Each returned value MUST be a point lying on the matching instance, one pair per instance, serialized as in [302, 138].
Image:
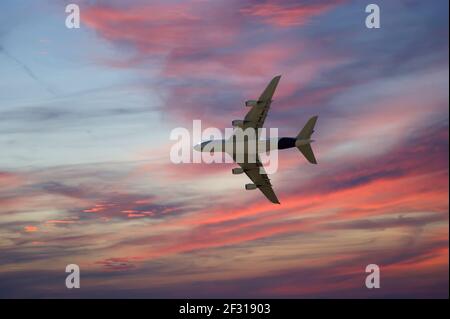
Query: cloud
[30, 229]
[117, 264]
[288, 15]
[10, 180]
[162, 27]
[400, 221]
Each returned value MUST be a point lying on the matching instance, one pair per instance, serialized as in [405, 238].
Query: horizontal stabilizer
[303, 141]
[308, 153]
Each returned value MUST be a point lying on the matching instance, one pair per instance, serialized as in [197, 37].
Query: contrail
[27, 70]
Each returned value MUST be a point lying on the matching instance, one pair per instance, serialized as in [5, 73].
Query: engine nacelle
[237, 170]
[237, 123]
[251, 103]
[250, 186]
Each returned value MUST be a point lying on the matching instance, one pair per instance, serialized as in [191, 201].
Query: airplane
[254, 120]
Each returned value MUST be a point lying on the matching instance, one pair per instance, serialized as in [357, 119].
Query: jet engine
[237, 170]
[237, 123]
[250, 186]
[251, 103]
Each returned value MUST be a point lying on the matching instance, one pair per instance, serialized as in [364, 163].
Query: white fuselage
[247, 146]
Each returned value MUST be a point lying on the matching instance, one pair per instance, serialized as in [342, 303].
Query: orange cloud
[96, 209]
[30, 229]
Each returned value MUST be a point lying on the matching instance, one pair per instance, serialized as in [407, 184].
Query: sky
[86, 178]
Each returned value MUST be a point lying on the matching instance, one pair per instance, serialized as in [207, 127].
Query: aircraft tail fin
[304, 141]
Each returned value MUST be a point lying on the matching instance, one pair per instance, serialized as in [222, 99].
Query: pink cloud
[118, 263]
[281, 15]
[10, 180]
[160, 27]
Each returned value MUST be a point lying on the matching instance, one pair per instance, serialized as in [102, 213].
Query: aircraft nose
[198, 147]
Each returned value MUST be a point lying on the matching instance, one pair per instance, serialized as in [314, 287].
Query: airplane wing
[256, 172]
[258, 113]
